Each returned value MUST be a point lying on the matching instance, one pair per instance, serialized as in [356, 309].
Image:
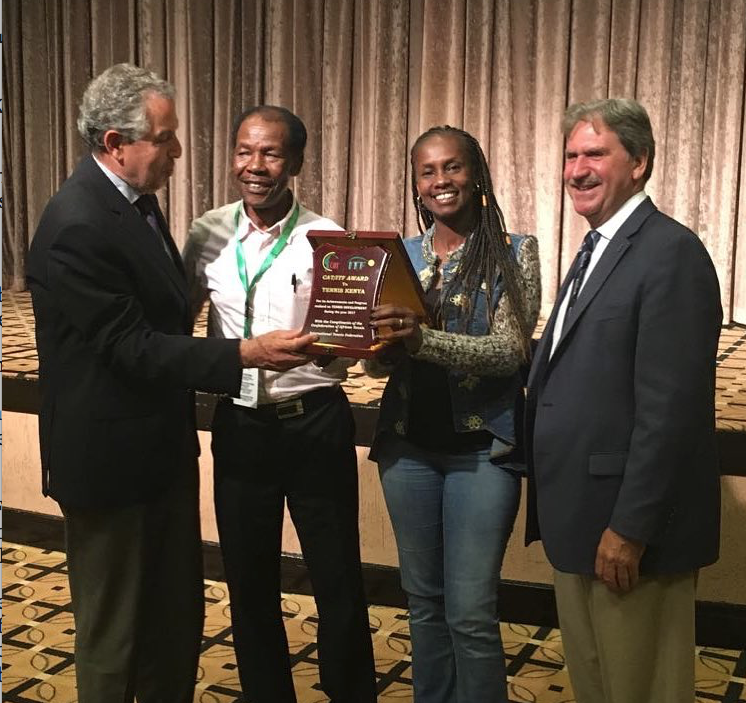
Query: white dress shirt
[122, 186]
[281, 296]
[607, 231]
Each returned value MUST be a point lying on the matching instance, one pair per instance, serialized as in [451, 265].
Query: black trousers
[261, 460]
[138, 597]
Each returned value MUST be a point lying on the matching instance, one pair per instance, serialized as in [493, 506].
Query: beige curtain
[368, 76]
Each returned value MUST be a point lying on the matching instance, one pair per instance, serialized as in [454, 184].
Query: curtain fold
[368, 77]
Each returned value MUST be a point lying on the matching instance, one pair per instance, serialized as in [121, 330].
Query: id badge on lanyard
[249, 394]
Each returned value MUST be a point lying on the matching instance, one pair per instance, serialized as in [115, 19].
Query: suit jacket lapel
[168, 239]
[148, 242]
[609, 259]
[614, 252]
[142, 234]
[541, 355]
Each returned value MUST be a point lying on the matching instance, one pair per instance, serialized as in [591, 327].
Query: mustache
[586, 181]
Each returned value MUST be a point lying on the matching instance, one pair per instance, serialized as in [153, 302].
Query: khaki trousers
[636, 647]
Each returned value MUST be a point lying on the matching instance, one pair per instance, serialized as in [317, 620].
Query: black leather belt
[296, 407]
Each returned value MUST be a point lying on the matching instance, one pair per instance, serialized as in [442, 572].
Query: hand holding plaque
[353, 273]
[395, 323]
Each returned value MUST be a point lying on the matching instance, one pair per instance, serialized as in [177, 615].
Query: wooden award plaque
[354, 272]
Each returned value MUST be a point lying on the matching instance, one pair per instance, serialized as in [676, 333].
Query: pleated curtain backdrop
[368, 76]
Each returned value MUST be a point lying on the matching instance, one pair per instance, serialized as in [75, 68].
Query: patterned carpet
[38, 635]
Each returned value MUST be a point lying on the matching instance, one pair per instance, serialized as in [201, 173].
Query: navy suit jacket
[620, 420]
[117, 361]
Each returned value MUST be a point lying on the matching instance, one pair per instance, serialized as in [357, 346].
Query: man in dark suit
[117, 429]
[623, 475]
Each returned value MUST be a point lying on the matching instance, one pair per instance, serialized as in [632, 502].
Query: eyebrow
[593, 151]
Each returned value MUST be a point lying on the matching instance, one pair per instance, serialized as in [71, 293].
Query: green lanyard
[282, 240]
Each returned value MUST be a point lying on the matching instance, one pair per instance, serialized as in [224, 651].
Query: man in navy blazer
[623, 474]
[117, 365]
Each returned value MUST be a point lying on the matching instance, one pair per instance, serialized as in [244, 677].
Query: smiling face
[262, 166]
[147, 163]
[600, 175]
[443, 174]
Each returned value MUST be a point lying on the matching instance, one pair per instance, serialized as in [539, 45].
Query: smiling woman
[446, 441]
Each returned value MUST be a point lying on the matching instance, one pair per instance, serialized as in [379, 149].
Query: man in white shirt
[287, 435]
[623, 475]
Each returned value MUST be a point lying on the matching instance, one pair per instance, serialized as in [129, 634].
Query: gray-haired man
[117, 429]
[623, 472]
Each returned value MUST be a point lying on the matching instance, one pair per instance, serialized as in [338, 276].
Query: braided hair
[487, 252]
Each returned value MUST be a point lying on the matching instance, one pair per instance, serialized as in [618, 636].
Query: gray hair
[116, 100]
[623, 116]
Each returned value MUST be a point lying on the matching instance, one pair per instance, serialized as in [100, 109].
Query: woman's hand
[402, 323]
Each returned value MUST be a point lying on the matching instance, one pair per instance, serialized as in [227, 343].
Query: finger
[403, 323]
[623, 580]
[296, 342]
[598, 567]
[381, 311]
[609, 576]
[390, 311]
[300, 359]
[282, 334]
[392, 322]
[393, 335]
[390, 319]
[290, 361]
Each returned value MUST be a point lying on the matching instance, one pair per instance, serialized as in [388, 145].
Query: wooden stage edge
[718, 624]
[22, 395]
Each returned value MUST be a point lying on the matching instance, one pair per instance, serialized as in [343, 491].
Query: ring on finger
[401, 323]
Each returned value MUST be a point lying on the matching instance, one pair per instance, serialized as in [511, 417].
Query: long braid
[487, 251]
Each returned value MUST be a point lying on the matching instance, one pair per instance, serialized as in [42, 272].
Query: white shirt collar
[121, 185]
[247, 225]
[609, 228]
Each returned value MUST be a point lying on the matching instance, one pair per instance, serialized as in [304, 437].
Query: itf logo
[356, 263]
[330, 262]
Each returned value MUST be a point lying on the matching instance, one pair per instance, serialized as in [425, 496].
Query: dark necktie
[581, 266]
[146, 206]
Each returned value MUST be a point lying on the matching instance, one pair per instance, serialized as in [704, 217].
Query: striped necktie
[581, 266]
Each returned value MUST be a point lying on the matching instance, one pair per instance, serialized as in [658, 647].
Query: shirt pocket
[288, 298]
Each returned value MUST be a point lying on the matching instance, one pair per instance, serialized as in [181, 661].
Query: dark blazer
[621, 419]
[116, 356]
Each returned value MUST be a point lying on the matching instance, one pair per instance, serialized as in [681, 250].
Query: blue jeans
[452, 516]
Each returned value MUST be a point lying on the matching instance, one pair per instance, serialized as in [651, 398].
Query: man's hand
[276, 351]
[618, 561]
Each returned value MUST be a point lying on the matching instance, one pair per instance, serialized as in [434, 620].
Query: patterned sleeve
[499, 353]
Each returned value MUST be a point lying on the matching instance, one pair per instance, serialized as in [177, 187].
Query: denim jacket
[478, 402]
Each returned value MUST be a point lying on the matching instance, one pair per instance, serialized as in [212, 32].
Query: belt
[296, 407]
